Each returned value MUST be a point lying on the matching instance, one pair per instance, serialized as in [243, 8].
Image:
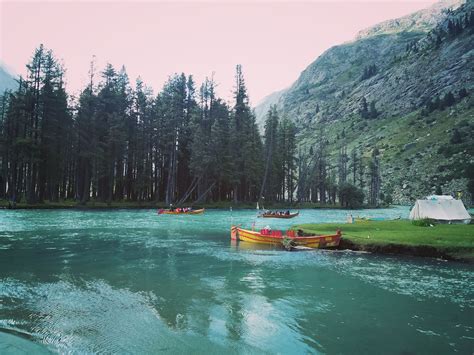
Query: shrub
[350, 196]
[426, 222]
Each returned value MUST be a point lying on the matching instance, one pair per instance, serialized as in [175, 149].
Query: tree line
[119, 142]
[349, 179]
[440, 103]
[457, 22]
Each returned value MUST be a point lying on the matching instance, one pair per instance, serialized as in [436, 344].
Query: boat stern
[233, 233]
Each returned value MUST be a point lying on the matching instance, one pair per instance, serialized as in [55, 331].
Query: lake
[130, 281]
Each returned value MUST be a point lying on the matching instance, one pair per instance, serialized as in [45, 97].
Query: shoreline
[453, 242]
[157, 205]
[422, 251]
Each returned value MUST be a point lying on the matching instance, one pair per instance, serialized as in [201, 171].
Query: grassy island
[448, 241]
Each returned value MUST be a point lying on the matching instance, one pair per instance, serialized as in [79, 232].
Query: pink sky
[273, 40]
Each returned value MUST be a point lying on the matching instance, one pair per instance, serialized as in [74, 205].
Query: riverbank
[71, 204]
[445, 241]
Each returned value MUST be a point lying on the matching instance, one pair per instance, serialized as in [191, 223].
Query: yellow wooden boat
[279, 239]
[200, 211]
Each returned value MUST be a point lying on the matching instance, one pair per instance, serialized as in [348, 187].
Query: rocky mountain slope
[398, 68]
[7, 81]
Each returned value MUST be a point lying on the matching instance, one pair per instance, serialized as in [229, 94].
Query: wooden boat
[269, 215]
[361, 220]
[290, 238]
[374, 219]
[200, 211]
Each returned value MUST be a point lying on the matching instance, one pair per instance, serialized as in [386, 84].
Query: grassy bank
[455, 241]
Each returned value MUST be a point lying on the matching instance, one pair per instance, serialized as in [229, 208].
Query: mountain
[7, 80]
[264, 105]
[400, 70]
[420, 21]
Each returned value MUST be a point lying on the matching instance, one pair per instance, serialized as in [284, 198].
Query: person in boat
[287, 212]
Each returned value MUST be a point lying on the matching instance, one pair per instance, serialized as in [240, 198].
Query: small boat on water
[271, 214]
[181, 211]
[290, 239]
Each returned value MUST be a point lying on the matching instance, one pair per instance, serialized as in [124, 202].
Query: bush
[456, 137]
[426, 222]
[350, 196]
[387, 199]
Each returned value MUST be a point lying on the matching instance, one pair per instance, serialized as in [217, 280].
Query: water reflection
[81, 282]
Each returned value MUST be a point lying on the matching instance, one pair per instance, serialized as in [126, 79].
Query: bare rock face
[403, 80]
[398, 66]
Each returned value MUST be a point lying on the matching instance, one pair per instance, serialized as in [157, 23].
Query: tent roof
[444, 209]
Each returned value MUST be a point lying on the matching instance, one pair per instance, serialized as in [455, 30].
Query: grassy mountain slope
[412, 66]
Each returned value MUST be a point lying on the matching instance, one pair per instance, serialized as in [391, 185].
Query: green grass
[456, 240]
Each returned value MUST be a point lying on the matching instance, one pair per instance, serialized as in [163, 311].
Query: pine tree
[363, 109]
[369, 71]
[288, 160]
[462, 93]
[448, 99]
[220, 149]
[245, 138]
[270, 186]
[342, 165]
[202, 148]
[375, 181]
[372, 113]
[456, 137]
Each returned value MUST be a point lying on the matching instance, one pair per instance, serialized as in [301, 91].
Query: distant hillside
[262, 108]
[398, 67]
[7, 81]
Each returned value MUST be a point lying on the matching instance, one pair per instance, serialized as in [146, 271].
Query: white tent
[440, 208]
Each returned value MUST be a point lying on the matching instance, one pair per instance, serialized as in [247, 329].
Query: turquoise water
[130, 281]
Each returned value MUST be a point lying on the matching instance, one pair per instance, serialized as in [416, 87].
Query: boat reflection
[242, 245]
